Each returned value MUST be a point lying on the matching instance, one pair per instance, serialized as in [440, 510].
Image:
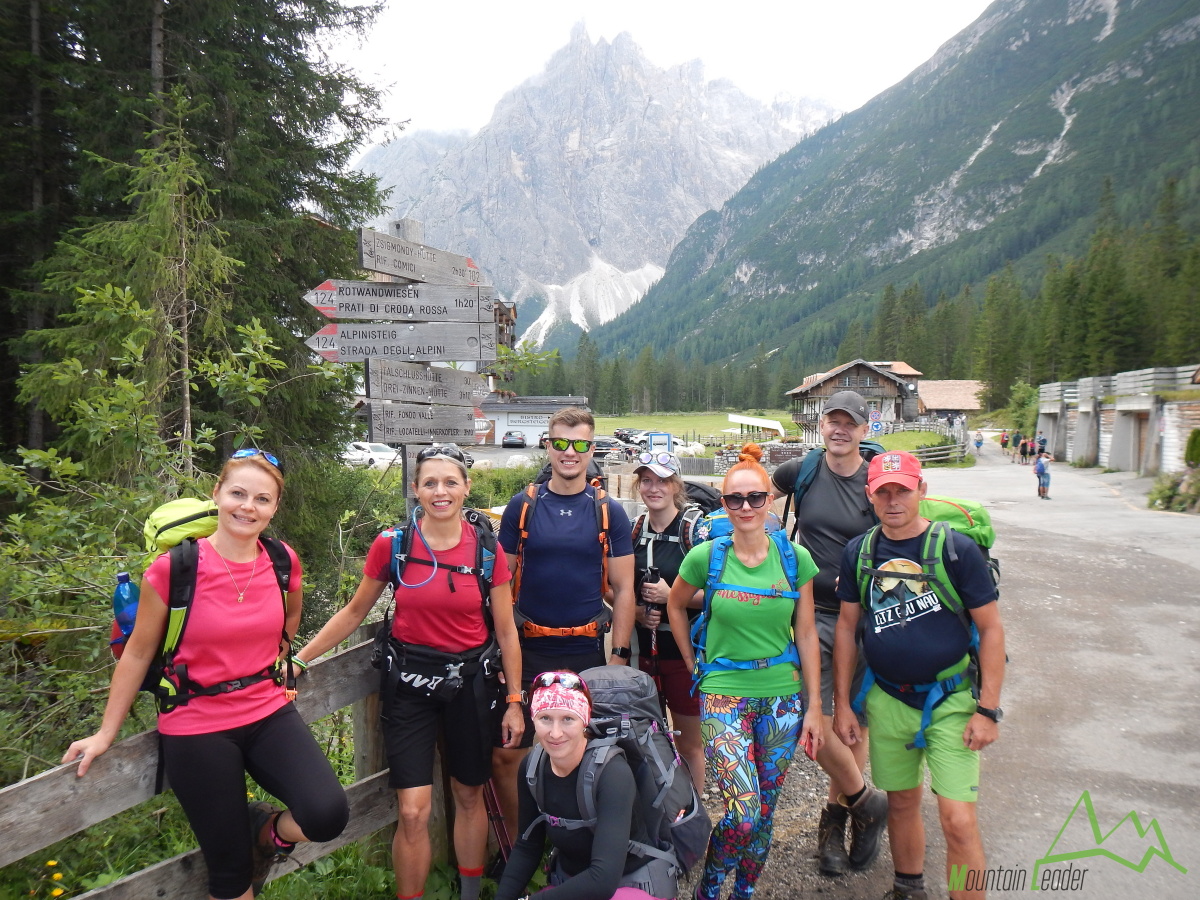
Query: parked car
[364, 453]
[514, 439]
[628, 435]
[613, 448]
[467, 457]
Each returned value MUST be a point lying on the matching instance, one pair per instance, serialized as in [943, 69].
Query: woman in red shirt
[237, 625]
[440, 621]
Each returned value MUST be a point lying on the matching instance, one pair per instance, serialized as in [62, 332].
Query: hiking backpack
[703, 496]
[627, 720]
[718, 556]
[598, 626]
[945, 514]
[807, 474]
[422, 669]
[174, 528]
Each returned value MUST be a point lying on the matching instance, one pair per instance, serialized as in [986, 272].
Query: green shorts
[954, 770]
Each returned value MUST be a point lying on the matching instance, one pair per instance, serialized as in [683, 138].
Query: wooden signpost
[418, 423]
[397, 329]
[415, 383]
[416, 342]
[381, 252]
[404, 302]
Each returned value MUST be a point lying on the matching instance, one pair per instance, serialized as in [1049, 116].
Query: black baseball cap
[849, 402]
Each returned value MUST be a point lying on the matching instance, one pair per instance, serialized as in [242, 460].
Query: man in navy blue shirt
[562, 613]
[913, 641]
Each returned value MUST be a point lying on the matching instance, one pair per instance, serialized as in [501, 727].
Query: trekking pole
[496, 819]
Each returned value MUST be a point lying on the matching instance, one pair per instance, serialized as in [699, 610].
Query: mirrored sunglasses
[662, 458]
[430, 452]
[579, 444]
[569, 680]
[254, 451]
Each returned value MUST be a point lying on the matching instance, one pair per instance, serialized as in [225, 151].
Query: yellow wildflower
[52, 862]
[57, 892]
[57, 876]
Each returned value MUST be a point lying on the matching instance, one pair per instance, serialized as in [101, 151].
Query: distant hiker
[568, 544]
[1004, 442]
[1041, 468]
[832, 508]
[442, 656]
[661, 539]
[1025, 444]
[978, 441]
[1016, 444]
[752, 644]
[243, 718]
[1041, 442]
[924, 621]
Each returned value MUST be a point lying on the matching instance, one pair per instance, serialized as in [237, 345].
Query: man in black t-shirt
[830, 512]
[917, 644]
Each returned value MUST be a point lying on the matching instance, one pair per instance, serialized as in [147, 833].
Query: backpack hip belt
[934, 691]
[599, 625]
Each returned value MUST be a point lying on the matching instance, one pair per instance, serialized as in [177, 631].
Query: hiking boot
[832, 858]
[868, 819]
[265, 851]
[903, 893]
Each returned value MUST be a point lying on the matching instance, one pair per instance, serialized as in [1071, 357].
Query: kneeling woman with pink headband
[591, 863]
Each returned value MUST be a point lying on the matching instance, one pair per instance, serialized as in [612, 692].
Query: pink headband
[558, 697]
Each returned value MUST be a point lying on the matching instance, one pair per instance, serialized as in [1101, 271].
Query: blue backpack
[718, 555]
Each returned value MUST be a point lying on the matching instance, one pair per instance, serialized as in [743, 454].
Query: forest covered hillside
[989, 157]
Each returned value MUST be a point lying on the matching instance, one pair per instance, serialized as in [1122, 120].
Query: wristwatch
[516, 698]
[622, 652]
[994, 714]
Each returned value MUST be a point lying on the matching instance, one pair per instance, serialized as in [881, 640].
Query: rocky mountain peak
[573, 195]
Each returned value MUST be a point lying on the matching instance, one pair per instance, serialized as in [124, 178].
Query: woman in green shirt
[761, 636]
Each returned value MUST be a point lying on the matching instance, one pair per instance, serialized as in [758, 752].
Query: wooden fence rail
[43, 809]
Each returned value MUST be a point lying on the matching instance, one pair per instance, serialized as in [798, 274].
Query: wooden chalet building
[890, 388]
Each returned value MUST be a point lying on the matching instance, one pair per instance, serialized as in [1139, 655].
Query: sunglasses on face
[254, 451]
[579, 444]
[756, 499]
[431, 452]
[569, 680]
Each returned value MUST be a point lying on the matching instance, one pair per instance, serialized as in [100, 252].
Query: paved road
[1102, 613]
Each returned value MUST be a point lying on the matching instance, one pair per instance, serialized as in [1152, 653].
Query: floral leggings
[749, 743]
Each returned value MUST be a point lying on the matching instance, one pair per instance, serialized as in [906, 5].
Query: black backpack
[703, 495]
[627, 720]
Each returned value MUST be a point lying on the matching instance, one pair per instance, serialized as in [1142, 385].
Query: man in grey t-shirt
[832, 510]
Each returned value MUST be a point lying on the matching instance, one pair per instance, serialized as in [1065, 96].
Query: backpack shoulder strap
[602, 526]
[866, 561]
[281, 561]
[401, 547]
[691, 515]
[939, 541]
[529, 498]
[185, 558]
[636, 529]
[787, 555]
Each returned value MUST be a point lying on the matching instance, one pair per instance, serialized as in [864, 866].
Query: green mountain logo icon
[1150, 835]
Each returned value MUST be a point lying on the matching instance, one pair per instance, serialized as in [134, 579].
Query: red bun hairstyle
[748, 460]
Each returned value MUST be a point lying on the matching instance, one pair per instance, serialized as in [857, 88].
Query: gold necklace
[253, 572]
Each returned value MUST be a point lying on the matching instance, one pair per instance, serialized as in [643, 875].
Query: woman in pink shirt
[238, 629]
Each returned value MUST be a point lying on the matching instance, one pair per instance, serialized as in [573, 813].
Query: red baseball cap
[895, 467]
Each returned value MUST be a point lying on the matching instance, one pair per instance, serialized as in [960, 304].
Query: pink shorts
[675, 684]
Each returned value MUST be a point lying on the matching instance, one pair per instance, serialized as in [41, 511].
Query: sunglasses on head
[756, 499]
[569, 680]
[254, 451]
[431, 452]
[662, 458]
[579, 444]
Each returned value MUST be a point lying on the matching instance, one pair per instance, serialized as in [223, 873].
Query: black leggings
[208, 774]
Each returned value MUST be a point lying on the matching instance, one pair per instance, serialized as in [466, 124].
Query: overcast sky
[445, 65]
